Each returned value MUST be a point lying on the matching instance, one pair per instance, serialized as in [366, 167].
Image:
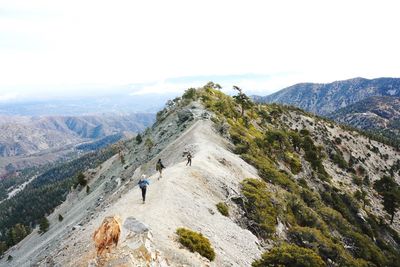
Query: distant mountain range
[323, 99]
[372, 105]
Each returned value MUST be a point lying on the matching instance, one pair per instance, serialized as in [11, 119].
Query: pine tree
[138, 139]
[242, 99]
[81, 179]
[43, 225]
[390, 191]
[60, 217]
[3, 247]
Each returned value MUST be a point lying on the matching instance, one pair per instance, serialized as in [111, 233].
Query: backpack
[142, 184]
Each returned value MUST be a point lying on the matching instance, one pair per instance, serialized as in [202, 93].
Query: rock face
[323, 99]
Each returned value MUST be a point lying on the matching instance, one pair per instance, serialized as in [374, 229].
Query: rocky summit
[269, 185]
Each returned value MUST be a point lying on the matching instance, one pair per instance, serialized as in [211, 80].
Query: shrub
[138, 139]
[60, 217]
[269, 173]
[223, 209]
[294, 162]
[81, 179]
[3, 248]
[304, 215]
[196, 242]
[189, 94]
[324, 245]
[357, 180]
[338, 159]
[149, 143]
[259, 207]
[310, 198]
[363, 247]
[289, 255]
[43, 225]
[312, 155]
[303, 183]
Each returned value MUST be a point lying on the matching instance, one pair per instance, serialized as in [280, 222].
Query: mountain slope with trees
[296, 190]
[376, 114]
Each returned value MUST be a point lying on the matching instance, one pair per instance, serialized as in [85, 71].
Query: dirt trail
[186, 197]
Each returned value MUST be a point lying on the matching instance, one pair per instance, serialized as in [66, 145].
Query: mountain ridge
[324, 98]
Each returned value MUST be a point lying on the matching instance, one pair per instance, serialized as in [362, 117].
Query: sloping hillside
[323, 99]
[24, 136]
[299, 188]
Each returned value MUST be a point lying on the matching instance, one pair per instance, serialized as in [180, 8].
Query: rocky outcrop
[107, 236]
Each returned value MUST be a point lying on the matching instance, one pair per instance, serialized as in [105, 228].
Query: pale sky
[75, 47]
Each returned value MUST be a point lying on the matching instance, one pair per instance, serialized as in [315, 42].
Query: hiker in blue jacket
[143, 183]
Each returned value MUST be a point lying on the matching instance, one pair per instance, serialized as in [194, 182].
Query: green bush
[259, 207]
[81, 179]
[304, 215]
[334, 219]
[9, 258]
[310, 198]
[43, 225]
[223, 209]
[357, 180]
[313, 155]
[325, 246]
[269, 173]
[363, 247]
[138, 139]
[290, 255]
[337, 158]
[189, 94]
[196, 242]
[294, 162]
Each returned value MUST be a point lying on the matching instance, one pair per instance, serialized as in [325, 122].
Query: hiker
[159, 167]
[143, 183]
[189, 159]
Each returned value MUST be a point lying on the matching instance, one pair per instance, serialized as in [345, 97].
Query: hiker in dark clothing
[143, 183]
[159, 167]
[189, 159]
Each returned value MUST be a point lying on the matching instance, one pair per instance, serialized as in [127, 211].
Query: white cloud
[7, 97]
[64, 43]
